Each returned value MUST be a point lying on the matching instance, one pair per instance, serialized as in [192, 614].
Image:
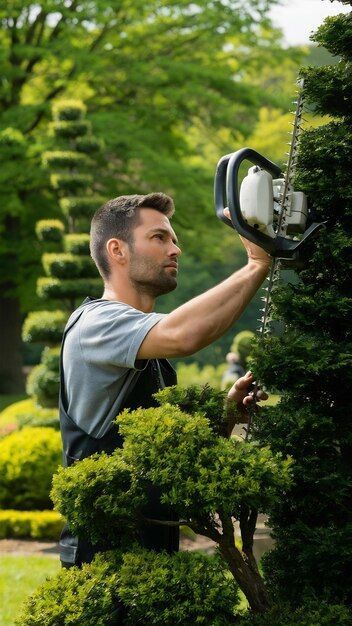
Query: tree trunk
[11, 360]
[249, 581]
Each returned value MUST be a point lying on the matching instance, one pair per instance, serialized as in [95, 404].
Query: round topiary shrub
[155, 589]
[44, 384]
[28, 460]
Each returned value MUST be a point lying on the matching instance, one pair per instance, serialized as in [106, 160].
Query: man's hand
[243, 398]
[254, 252]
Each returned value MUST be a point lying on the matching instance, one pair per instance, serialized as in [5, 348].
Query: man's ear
[117, 251]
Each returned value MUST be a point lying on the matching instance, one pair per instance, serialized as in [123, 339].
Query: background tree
[310, 364]
[70, 272]
[151, 72]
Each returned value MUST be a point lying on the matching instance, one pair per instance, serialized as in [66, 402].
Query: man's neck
[140, 301]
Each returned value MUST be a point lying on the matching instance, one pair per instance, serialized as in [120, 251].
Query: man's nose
[175, 250]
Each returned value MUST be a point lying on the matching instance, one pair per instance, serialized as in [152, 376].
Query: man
[115, 349]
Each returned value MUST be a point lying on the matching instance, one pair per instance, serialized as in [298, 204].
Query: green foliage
[56, 158]
[75, 597]
[329, 89]
[99, 498]
[310, 614]
[50, 230]
[81, 206]
[68, 266]
[76, 243]
[42, 525]
[196, 399]
[335, 35]
[70, 183]
[12, 138]
[89, 144]
[243, 345]
[44, 326]
[28, 413]
[155, 589]
[311, 521]
[78, 288]
[192, 374]
[181, 589]
[44, 384]
[69, 110]
[28, 459]
[198, 472]
[70, 129]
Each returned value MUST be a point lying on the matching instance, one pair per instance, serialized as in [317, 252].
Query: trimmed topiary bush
[28, 460]
[78, 288]
[76, 243]
[76, 597]
[44, 326]
[28, 413]
[43, 384]
[68, 266]
[30, 525]
[50, 230]
[76, 206]
[201, 472]
[70, 129]
[156, 589]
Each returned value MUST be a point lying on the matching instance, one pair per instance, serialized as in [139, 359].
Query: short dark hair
[117, 218]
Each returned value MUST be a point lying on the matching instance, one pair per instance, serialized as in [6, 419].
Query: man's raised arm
[202, 320]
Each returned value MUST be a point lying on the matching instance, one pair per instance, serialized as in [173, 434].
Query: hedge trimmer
[267, 211]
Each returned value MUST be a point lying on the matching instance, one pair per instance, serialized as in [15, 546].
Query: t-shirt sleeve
[112, 334]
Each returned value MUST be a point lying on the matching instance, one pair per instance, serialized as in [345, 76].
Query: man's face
[154, 254]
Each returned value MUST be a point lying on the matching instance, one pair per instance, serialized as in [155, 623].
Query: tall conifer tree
[310, 364]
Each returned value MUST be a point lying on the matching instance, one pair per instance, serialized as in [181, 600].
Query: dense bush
[50, 230]
[76, 243]
[30, 524]
[68, 266]
[70, 129]
[70, 182]
[78, 288]
[76, 206]
[310, 361]
[99, 498]
[28, 460]
[61, 158]
[181, 589]
[70, 110]
[311, 614]
[76, 597]
[156, 589]
[243, 345]
[44, 326]
[28, 413]
[193, 374]
[44, 385]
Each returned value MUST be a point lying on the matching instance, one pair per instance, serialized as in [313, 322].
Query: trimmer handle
[227, 195]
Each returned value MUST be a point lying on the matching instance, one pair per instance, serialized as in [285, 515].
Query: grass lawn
[19, 576]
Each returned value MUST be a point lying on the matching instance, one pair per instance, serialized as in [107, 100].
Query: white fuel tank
[256, 200]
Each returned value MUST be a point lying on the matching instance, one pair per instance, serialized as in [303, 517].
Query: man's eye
[159, 236]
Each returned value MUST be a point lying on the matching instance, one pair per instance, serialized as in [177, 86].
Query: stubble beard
[149, 278]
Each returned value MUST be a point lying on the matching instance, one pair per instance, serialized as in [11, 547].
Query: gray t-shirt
[99, 361]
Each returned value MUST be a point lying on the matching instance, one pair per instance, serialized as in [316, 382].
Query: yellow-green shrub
[27, 412]
[30, 524]
[28, 460]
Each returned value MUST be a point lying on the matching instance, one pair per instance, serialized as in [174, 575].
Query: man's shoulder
[100, 308]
